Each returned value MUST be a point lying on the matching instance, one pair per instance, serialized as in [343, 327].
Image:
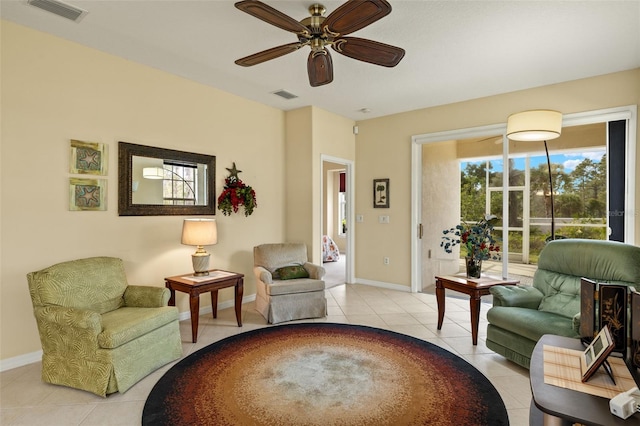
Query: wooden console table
[194, 286]
[474, 287]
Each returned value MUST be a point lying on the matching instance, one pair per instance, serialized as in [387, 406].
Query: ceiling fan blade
[369, 51]
[320, 68]
[356, 14]
[266, 55]
[271, 16]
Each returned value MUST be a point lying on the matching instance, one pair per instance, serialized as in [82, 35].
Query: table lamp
[200, 232]
[535, 126]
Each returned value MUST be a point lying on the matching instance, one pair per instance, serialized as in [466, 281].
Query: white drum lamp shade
[153, 173]
[535, 125]
[199, 233]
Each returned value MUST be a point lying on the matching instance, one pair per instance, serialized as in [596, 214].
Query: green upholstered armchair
[521, 315]
[98, 333]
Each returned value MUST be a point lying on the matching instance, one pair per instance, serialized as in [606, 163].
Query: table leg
[194, 302]
[214, 303]
[172, 297]
[550, 420]
[474, 304]
[239, 291]
[440, 299]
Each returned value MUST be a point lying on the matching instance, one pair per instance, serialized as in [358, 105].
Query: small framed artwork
[87, 194]
[613, 313]
[596, 353]
[88, 158]
[381, 193]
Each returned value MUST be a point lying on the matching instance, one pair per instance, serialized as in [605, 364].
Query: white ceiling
[455, 50]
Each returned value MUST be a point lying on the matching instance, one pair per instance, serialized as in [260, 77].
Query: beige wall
[54, 91]
[298, 166]
[311, 133]
[383, 149]
[440, 209]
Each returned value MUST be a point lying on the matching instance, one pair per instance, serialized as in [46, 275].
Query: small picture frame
[596, 353]
[87, 194]
[381, 193]
[88, 158]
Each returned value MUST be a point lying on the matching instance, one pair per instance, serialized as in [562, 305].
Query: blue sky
[568, 160]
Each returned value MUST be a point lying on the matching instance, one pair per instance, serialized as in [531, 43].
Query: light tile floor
[26, 400]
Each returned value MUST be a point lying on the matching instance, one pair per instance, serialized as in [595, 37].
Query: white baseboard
[382, 284]
[19, 361]
[30, 358]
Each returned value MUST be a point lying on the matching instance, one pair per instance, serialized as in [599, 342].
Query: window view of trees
[580, 197]
[179, 184]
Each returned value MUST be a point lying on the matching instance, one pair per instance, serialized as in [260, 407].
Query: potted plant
[477, 240]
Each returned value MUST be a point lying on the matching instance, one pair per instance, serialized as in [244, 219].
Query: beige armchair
[288, 286]
[98, 333]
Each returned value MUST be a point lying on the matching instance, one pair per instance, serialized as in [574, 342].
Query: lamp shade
[199, 232]
[535, 125]
[153, 173]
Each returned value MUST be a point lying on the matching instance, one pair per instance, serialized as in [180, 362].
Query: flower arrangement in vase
[477, 240]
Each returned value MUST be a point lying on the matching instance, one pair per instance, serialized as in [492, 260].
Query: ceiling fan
[319, 32]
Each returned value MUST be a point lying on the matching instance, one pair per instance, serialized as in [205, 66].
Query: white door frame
[350, 173]
[629, 113]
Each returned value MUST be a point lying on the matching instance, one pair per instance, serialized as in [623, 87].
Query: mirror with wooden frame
[157, 181]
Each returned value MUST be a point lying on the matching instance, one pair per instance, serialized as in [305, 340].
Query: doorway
[427, 261]
[337, 219]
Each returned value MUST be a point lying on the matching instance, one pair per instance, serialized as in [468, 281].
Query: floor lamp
[535, 126]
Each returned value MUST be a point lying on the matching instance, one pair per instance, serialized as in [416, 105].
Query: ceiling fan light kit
[319, 32]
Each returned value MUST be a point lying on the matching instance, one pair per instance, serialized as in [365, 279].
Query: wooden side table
[213, 282]
[474, 287]
[566, 407]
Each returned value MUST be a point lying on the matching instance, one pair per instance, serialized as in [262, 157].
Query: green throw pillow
[291, 272]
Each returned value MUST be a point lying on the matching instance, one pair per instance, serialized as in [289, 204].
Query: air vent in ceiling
[59, 8]
[285, 94]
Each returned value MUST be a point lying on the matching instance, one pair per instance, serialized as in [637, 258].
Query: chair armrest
[518, 296]
[262, 274]
[64, 330]
[315, 271]
[139, 296]
[70, 317]
[69, 332]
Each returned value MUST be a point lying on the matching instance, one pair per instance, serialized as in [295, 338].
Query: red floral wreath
[236, 194]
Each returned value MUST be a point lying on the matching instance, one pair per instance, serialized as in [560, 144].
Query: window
[580, 192]
[179, 184]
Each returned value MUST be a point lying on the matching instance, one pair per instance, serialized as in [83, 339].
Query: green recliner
[98, 333]
[521, 315]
